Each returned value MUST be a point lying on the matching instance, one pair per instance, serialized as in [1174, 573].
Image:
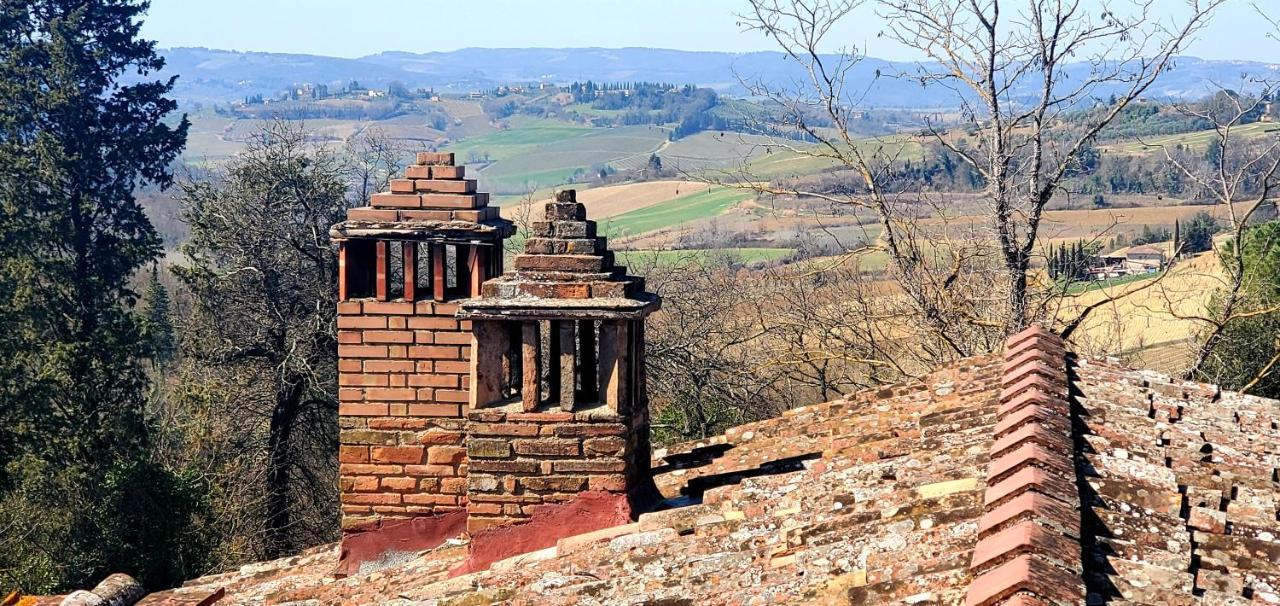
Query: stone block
[488, 448]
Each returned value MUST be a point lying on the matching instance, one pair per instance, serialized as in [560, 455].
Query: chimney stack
[403, 355]
[557, 404]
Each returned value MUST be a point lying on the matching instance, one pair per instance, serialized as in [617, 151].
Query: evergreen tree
[81, 126]
[1243, 356]
[159, 320]
[1199, 233]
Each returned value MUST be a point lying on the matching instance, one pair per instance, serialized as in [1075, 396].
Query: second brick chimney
[557, 404]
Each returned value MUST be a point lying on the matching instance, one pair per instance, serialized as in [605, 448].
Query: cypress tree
[82, 124]
[159, 320]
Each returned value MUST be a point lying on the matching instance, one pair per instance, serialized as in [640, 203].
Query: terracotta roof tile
[1026, 479]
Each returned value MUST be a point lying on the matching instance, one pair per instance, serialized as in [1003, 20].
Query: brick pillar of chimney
[558, 403]
[403, 356]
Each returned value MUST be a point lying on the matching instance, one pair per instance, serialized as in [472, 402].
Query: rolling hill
[219, 76]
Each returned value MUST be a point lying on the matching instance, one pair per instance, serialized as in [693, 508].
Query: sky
[343, 28]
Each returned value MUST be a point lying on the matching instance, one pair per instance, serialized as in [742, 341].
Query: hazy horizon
[332, 28]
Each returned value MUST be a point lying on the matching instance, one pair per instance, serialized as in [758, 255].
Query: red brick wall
[403, 384]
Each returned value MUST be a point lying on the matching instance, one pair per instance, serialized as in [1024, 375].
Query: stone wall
[521, 460]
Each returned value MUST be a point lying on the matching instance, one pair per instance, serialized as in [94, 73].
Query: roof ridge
[1028, 549]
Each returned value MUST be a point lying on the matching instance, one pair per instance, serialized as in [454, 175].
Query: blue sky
[350, 29]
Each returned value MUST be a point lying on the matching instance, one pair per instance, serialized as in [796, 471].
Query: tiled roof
[1027, 478]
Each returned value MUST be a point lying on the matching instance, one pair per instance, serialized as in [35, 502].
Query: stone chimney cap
[566, 270]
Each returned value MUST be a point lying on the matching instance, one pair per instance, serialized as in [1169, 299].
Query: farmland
[538, 156]
[675, 212]
[1194, 140]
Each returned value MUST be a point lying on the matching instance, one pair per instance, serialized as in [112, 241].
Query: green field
[644, 258]
[786, 163]
[675, 212]
[516, 141]
[547, 156]
[1197, 139]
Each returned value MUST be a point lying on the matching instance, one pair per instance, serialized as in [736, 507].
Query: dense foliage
[80, 494]
[1247, 354]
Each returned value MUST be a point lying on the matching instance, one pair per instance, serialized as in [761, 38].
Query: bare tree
[260, 271]
[1015, 70]
[372, 159]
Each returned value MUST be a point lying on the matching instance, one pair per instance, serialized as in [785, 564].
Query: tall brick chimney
[403, 355]
[558, 402]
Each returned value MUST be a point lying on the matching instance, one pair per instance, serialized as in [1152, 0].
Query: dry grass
[606, 202]
[1149, 315]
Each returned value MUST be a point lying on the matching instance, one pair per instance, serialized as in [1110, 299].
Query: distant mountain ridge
[219, 76]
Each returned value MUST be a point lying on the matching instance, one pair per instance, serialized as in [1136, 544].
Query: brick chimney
[558, 402]
[403, 355]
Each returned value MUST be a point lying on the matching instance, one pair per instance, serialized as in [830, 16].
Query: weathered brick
[445, 186]
[364, 483]
[487, 465]
[592, 466]
[368, 437]
[488, 448]
[603, 446]
[355, 469]
[456, 485]
[389, 200]
[448, 172]
[554, 483]
[353, 454]
[502, 429]
[446, 455]
[435, 471]
[399, 484]
[607, 483]
[378, 498]
[547, 446]
[430, 499]
[439, 438]
[590, 430]
[434, 158]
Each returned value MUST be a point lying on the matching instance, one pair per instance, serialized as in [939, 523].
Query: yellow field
[605, 202]
[1158, 314]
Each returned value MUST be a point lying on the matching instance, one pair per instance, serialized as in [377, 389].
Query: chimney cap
[565, 271]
